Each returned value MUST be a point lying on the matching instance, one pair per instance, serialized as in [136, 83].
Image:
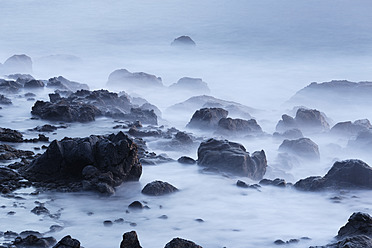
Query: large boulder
[130, 240]
[62, 83]
[98, 162]
[183, 40]
[192, 85]
[17, 64]
[34, 84]
[229, 126]
[232, 157]
[305, 120]
[156, 188]
[347, 174]
[207, 118]
[349, 128]
[181, 243]
[124, 79]
[303, 147]
[67, 242]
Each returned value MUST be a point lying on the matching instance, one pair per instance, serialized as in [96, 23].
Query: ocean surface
[257, 53]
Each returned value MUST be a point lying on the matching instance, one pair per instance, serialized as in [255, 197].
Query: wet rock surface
[232, 157]
[157, 188]
[229, 126]
[98, 162]
[347, 174]
[207, 118]
[11, 180]
[130, 240]
[183, 40]
[181, 243]
[10, 135]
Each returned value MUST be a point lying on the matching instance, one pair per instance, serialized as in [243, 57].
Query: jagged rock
[10, 135]
[4, 100]
[10, 87]
[32, 241]
[191, 85]
[181, 243]
[113, 160]
[232, 157]
[186, 160]
[207, 118]
[10, 180]
[67, 242]
[156, 188]
[8, 153]
[276, 182]
[17, 64]
[303, 148]
[183, 41]
[306, 119]
[229, 126]
[130, 240]
[34, 84]
[123, 78]
[138, 133]
[21, 78]
[62, 83]
[353, 173]
[349, 128]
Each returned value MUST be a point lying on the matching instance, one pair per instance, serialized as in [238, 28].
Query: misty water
[257, 53]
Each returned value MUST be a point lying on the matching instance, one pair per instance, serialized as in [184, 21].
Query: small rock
[157, 188]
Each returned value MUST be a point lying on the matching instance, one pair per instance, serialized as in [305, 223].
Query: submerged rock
[156, 188]
[130, 240]
[207, 118]
[303, 148]
[347, 174]
[232, 157]
[98, 162]
[181, 243]
[183, 41]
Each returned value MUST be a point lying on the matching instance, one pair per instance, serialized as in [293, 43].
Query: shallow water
[258, 53]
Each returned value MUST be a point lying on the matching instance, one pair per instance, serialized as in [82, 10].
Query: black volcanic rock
[32, 241]
[181, 243]
[232, 157]
[62, 83]
[10, 180]
[17, 64]
[186, 160]
[183, 41]
[191, 85]
[8, 152]
[67, 242]
[130, 240]
[124, 79]
[98, 162]
[303, 148]
[10, 135]
[229, 126]
[156, 188]
[306, 119]
[207, 118]
[347, 174]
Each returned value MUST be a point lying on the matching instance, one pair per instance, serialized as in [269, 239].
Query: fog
[256, 53]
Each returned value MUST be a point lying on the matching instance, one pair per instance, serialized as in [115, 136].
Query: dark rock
[38, 210]
[138, 114]
[17, 64]
[62, 83]
[108, 223]
[207, 118]
[123, 78]
[186, 160]
[114, 157]
[349, 128]
[20, 78]
[183, 138]
[10, 234]
[24, 234]
[192, 85]
[242, 184]
[306, 119]
[45, 128]
[358, 224]
[4, 100]
[183, 41]
[34, 84]
[278, 182]
[156, 188]
[9, 135]
[55, 228]
[229, 126]
[290, 134]
[232, 157]
[32, 241]
[67, 242]
[10, 180]
[138, 133]
[181, 243]
[8, 153]
[130, 240]
[279, 242]
[303, 148]
[346, 174]
[136, 205]
[9, 87]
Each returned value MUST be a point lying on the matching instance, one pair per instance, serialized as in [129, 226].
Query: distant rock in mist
[183, 41]
[191, 85]
[304, 148]
[348, 128]
[306, 120]
[232, 157]
[362, 142]
[62, 83]
[340, 94]
[207, 118]
[123, 79]
[197, 102]
[347, 174]
[17, 64]
[238, 127]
